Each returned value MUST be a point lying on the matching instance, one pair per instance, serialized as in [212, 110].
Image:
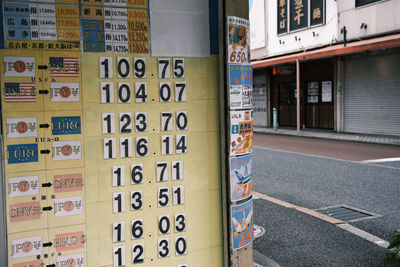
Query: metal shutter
[372, 94]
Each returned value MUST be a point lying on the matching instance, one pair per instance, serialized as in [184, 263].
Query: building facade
[344, 56]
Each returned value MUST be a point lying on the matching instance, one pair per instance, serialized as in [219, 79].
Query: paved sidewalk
[324, 134]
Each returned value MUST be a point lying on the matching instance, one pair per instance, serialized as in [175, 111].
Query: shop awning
[334, 50]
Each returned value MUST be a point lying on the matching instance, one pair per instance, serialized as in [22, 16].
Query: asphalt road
[316, 174]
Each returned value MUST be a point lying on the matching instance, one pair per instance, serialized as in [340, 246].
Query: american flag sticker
[20, 92]
[19, 66]
[64, 67]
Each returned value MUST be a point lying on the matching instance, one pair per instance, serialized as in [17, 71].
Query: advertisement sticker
[240, 177]
[240, 84]
[238, 40]
[242, 224]
[241, 132]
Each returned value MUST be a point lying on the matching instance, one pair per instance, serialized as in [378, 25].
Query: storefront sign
[282, 16]
[317, 12]
[298, 14]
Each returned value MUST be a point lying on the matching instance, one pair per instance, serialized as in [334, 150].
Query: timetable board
[111, 159]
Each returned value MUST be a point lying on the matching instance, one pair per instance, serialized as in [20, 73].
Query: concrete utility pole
[238, 8]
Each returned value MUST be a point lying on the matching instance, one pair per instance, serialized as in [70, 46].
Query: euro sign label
[66, 125]
[19, 66]
[66, 150]
[26, 247]
[23, 186]
[21, 127]
[22, 153]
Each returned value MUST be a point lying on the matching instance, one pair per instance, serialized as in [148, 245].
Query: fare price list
[133, 142]
[117, 26]
[43, 166]
[35, 25]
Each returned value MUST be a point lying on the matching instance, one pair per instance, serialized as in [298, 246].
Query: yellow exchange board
[111, 159]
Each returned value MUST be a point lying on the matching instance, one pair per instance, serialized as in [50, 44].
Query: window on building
[295, 15]
[365, 2]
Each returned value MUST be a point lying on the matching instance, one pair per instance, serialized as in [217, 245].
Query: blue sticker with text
[241, 74]
[235, 129]
[22, 153]
[242, 224]
[66, 125]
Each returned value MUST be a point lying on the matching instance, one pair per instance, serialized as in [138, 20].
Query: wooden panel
[319, 116]
[287, 115]
[312, 116]
[326, 116]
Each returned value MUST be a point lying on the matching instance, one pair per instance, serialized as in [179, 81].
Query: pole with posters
[239, 80]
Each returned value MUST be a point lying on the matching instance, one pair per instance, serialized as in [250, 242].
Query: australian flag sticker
[22, 153]
[66, 125]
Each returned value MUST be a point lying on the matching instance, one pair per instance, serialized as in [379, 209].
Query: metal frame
[3, 222]
[370, 215]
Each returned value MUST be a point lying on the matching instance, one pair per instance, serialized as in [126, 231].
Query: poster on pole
[240, 86]
[242, 224]
[238, 40]
[240, 177]
[241, 132]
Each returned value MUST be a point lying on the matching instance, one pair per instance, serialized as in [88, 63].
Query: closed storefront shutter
[372, 93]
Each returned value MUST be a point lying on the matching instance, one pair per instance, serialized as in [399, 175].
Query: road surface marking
[341, 224]
[302, 209]
[381, 160]
[367, 236]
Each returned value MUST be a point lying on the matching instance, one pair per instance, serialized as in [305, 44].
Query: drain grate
[347, 213]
